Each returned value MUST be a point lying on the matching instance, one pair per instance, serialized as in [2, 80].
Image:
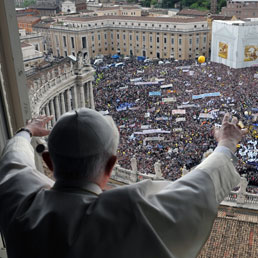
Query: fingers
[40, 119]
[44, 132]
[216, 132]
[244, 131]
[226, 118]
[234, 120]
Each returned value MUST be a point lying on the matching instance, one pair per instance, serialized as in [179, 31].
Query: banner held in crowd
[205, 95]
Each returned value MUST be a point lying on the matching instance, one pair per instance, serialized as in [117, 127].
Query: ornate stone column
[242, 191]
[63, 103]
[82, 96]
[57, 104]
[75, 100]
[157, 169]
[48, 114]
[87, 94]
[68, 98]
[42, 112]
[52, 111]
[92, 103]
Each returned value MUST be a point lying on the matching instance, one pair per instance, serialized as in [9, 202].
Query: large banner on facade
[251, 53]
[223, 50]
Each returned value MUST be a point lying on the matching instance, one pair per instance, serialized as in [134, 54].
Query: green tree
[221, 3]
[154, 2]
[28, 3]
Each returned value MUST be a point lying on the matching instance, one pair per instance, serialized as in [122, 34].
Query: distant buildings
[192, 13]
[241, 9]
[27, 22]
[152, 37]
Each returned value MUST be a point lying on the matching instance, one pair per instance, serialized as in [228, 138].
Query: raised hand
[37, 125]
[229, 134]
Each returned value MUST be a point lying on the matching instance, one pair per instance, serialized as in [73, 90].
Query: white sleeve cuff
[222, 172]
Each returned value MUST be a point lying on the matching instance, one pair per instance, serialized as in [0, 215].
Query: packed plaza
[166, 111]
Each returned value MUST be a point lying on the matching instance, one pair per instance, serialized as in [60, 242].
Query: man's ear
[47, 159]
[110, 164]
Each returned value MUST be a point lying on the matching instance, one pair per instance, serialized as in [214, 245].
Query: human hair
[89, 167]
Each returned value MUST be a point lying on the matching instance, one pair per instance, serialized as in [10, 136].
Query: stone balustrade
[235, 198]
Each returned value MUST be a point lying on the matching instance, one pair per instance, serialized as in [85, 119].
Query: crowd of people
[166, 112]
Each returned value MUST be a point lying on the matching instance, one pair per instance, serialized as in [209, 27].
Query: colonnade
[73, 98]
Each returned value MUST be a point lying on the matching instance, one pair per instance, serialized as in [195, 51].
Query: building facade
[235, 43]
[26, 22]
[241, 9]
[138, 36]
[31, 56]
[119, 11]
[68, 7]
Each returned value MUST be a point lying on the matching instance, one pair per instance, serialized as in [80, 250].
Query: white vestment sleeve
[19, 177]
[181, 213]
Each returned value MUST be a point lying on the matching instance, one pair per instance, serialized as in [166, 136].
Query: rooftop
[23, 45]
[118, 7]
[246, 22]
[193, 12]
[136, 18]
[233, 235]
[28, 19]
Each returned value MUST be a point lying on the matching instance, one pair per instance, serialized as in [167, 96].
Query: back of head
[81, 143]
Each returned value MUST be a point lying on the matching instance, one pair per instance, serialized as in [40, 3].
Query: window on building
[57, 41]
[72, 42]
[165, 40]
[204, 39]
[172, 41]
[111, 35]
[98, 37]
[92, 38]
[130, 37]
[150, 38]
[123, 36]
[117, 36]
[143, 38]
[190, 41]
[105, 36]
[157, 39]
[197, 41]
[179, 41]
[64, 41]
[83, 42]
[137, 38]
